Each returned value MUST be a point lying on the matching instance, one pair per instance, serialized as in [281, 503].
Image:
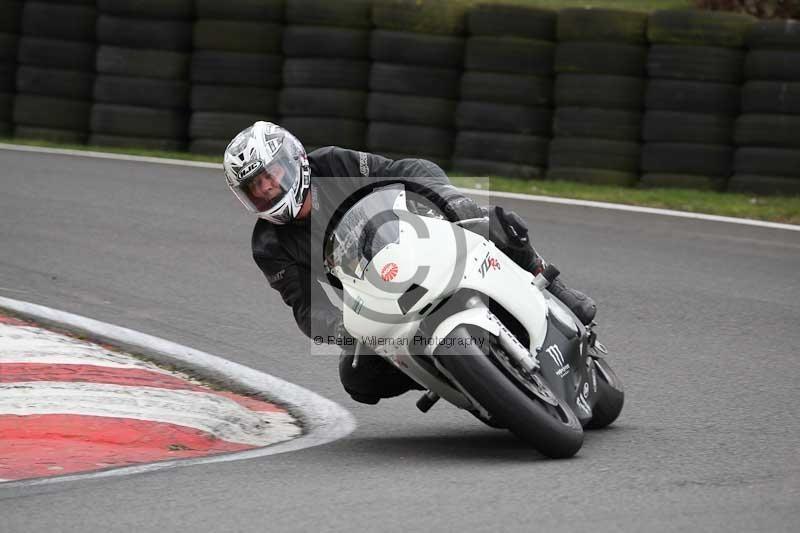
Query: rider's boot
[579, 303]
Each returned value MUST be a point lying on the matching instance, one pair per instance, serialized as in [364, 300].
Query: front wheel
[611, 396]
[554, 431]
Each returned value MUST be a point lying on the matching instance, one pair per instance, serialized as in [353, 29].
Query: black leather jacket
[284, 252]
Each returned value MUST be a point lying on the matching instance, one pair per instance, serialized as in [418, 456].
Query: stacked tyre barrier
[678, 98]
[598, 93]
[768, 130]
[9, 28]
[417, 51]
[695, 70]
[235, 69]
[326, 72]
[54, 88]
[507, 90]
[141, 93]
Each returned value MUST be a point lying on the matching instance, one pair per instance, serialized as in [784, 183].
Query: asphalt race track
[701, 319]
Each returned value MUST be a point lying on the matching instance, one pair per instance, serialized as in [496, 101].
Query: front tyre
[611, 396]
[554, 431]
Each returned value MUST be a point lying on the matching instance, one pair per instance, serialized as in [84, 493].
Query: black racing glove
[514, 226]
[509, 232]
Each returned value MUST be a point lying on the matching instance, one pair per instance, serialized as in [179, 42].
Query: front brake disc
[532, 382]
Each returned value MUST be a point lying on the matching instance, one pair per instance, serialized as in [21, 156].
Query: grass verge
[784, 209]
[769, 208]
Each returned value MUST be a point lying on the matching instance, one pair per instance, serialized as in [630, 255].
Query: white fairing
[450, 258]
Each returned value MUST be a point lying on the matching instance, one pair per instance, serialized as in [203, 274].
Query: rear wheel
[611, 396]
[508, 396]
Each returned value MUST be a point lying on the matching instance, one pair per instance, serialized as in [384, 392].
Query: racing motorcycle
[442, 304]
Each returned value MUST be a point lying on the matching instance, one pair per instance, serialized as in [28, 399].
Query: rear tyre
[611, 396]
[552, 430]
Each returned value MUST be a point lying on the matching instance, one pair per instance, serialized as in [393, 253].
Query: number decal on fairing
[489, 263]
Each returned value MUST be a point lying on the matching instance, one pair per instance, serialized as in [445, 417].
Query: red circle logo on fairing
[389, 271]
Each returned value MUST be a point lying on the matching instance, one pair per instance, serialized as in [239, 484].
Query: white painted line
[109, 155]
[323, 420]
[632, 208]
[476, 192]
[208, 412]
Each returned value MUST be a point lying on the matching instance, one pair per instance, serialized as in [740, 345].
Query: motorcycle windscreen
[364, 230]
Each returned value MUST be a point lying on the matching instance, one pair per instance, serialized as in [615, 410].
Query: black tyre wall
[409, 48]
[695, 65]
[137, 121]
[236, 69]
[509, 54]
[225, 68]
[234, 99]
[270, 10]
[160, 9]
[322, 102]
[411, 139]
[606, 25]
[151, 34]
[326, 72]
[8, 47]
[325, 41]
[148, 92]
[56, 70]
[486, 117]
[504, 117]
[57, 53]
[49, 112]
[518, 21]
[503, 88]
[323, 131]
[410, 109]
[142, 89]
[508, 147]
[10, 12]
[72, 84]
[767, 133]
[698, 28]
[58, 21]
[597, 123]
[345, 13]
[238, 36]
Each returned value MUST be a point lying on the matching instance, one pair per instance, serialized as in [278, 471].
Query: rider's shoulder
[325, 152]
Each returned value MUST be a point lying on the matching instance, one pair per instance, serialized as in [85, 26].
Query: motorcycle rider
[268, 170]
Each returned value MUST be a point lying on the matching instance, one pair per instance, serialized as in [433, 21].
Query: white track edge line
[632, 208]
[109, 155]
[476, 192]
[323, 420]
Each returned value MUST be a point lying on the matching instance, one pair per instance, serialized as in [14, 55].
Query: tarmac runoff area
[70, 407]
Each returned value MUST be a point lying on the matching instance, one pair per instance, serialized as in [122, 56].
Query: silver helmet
[267, 169]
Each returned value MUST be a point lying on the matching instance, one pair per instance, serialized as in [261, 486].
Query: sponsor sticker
[583, 404]
[558, 358]
[389, 271]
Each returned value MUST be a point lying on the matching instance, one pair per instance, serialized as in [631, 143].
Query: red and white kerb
[68, 405]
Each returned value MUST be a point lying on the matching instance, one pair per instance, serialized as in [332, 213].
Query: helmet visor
[266, 185]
